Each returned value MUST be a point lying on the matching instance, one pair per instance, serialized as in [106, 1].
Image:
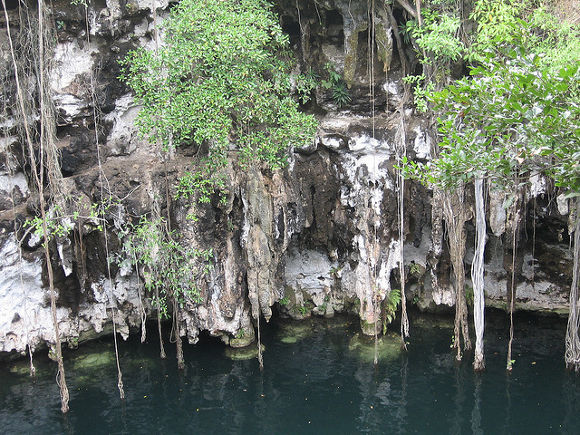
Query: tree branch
[408, 8]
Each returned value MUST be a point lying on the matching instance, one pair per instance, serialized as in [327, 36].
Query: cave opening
[334, 28]
[292, 28]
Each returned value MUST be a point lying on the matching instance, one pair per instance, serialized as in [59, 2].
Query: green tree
[513, 118]
[170, 270]
[220, 80]
[516, 115]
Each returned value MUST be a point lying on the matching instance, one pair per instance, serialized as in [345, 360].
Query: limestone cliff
[318, 237]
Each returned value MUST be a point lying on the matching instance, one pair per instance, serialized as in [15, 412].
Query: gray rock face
[318, 237]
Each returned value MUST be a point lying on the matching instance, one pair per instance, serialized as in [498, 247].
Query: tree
[220, 79]
[221, 82]
[513, 118]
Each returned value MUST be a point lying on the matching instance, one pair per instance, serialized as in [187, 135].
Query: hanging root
[477, 276]
[401, 152]
[376, 356]
[142, 311]
[572, 356]
[260, 358]
[177, 337]
[162, 353]
[46, 141]
[119, 373]
[516, 215]
[104, 198]
[455, 216]
[32, 368]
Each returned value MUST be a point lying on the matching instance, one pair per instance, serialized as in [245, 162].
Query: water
[317, 379]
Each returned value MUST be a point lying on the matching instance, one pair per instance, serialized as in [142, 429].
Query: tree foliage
[517, 113]
[511, 118]
[437, 36]
[221, 79]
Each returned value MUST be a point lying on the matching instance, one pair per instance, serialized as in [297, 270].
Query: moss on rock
[243, 353]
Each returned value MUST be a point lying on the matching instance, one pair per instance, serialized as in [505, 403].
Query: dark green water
[321, 383]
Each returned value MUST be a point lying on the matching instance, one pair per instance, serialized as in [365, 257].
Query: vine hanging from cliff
[572, 356]
[48, 158]
[104, 199]
[477, 275]
[170, 269]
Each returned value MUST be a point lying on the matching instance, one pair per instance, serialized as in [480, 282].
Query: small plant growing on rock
[391, 304]
[415, 269]
[337, 85]
[303, 309]
[305, 84]
[336, 272]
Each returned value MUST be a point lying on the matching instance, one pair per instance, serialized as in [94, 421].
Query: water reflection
[476, 412]
[572, 402]
[508, 401]
[401, 411]
[459, 400]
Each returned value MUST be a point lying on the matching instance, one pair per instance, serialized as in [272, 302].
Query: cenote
[319, 377]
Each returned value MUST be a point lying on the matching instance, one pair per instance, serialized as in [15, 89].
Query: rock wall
[318, 237]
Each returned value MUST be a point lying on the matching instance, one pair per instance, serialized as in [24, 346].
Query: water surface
[318, 378]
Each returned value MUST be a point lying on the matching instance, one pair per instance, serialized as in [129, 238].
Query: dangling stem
[454, 211]
[534, 243]
[376, 335]
[376, 252]
[102, 180]
[178, 343]
[162, 353]
[372, 61]
[509, 363]
[477, 277]
[119, 373]
[32, 368]
[64, 394]
[142, 311]
[401, 206]
[161, 347]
